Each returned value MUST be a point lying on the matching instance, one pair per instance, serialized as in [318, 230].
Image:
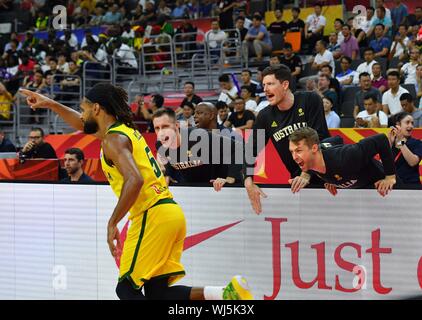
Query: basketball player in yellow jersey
[151, 254]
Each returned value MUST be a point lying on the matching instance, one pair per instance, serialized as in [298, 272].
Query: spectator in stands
[291, 60]
[349, 46]
[381, 3]
[378, 81]
[70, 39]
[165, 26]
[62, 64]
[36, 83]
[366, 66]
[371, 117]
[248, 22]
[138, 40]
[163, 9]
[248, 95]
[228, 90]
[381, 19]
[246, 78]
[223, 112]
[380, 44]
[180, 10]
[241, 118]
[5, 144]
[89, 34]
[225, 13]
[72, 79]
[97, 18]
[240, 27]
[338, 27]
[414, 20]
[365, 26]
[257, 41]
[12, 50]
[126, 59]
[83, 20]
[334, 84]
[365, 89]
[399, 13]
[323, 56]
[41, 23]
[13, 38]
[113, 16]
[190, 96]
[36, 147]
[332, 118]
[408, 71]
[391, 98]
[408, 105]
[333, 45]
[186, 119]
[314, 27]
[206, 8]
[73, 164]
[214, 38]
[186, 35]
[93, 53]
[6, 101]
[279, 26]
[407, 151]
[30, 42]
[324, 90]
[399, 45]
[419, 84]
[297, 24]
[345, 77]
[149, 14]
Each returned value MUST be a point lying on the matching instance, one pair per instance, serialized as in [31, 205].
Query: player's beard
[90, 126]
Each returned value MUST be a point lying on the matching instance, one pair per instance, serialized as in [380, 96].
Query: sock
[213, 293]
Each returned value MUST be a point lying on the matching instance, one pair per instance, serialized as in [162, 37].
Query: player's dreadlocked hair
[114, 100]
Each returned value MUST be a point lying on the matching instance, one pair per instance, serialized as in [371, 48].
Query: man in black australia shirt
[195, 155]
[349, 166]
[286, 113]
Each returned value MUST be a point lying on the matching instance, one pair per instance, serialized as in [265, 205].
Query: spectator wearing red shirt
[378, 81]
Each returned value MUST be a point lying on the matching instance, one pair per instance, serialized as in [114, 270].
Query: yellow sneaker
[237, 289]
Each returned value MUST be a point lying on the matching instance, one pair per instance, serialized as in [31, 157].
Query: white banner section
[311, 245]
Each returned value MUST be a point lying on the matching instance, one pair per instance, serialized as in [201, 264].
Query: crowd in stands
[365, 71]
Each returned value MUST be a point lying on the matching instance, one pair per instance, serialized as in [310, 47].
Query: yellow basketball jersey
[154, 187]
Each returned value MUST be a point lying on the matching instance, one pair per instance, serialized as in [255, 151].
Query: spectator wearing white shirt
[399, 46]
[366, 66]
[228, 90]
[322, 58]
[391, 98]
[380, 3]
[88, 33]
[247, 93]
[409, 69]
[364, 25]
[125, 56]
[332, 118]
[314, 27]
[371, 117]
[338, 27]
[214, 39]
[70, 39]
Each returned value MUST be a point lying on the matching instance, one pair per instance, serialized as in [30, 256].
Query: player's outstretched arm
[254, 193]
[37, 101]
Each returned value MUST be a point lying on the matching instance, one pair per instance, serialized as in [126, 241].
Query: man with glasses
[36, 147]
